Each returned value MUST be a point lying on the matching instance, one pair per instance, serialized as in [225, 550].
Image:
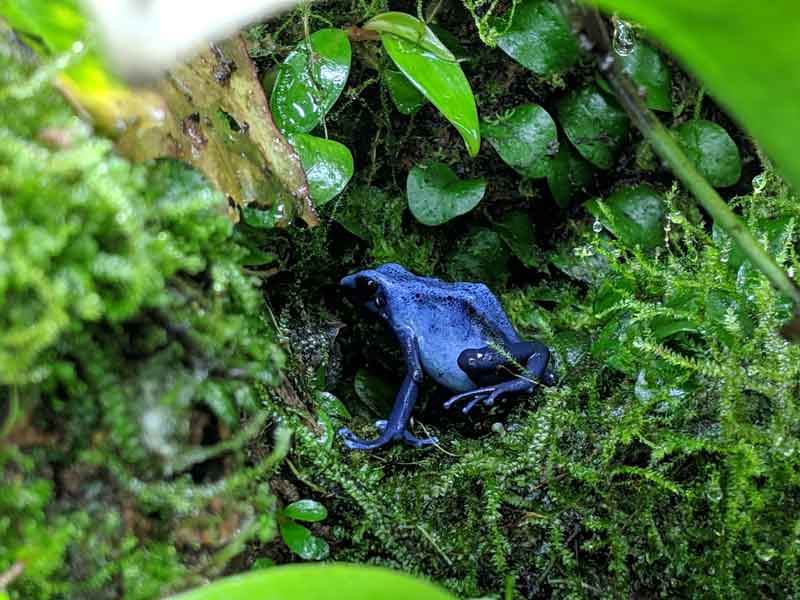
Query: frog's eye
[379, 301]
[366, 287]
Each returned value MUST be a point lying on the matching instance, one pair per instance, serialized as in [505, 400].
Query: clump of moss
[131, 346]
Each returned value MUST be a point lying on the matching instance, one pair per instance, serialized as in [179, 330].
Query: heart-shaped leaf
[711, 150]
[539, 38]
[328, 165]
[405, 96]
[302, 542]
[318, 582]
[410, 29]
[525, 138]
[647, 69]
[569, 173]
[310, 80]
[595, 125]
[440, 81]
[634, 215]
[436, 194]
[305, 510]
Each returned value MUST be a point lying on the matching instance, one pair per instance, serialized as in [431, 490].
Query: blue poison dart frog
[457, 333]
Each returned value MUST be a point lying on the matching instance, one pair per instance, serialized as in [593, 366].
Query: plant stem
[593, 37]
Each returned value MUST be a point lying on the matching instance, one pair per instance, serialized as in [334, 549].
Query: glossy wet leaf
[442, 82]
[310, 80]
[319, 582]
[375, 392]
[634, 215]
[411, 29]
[453, 44]
[711, 150]
[744, 52]
[480, 255]
[569, 174]
[405, 96]
[302, 542]
[539, 38]
[594, 124]
[305, 510]
[518, 232]
[645, 66]
[525, 138]
[327, 163]
[436, 194]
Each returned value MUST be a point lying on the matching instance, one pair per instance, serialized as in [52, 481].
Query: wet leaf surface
[302, 542]
[412, 30]
[594, 124]
[306, 510]
[310, 80]
[647, 69]
[569, 174]
[517, 230]
[328, 165]
[436, 194]
[634, 215]
[539, 38]
[405, 96]
[711, 150]
[442, 82]
[525, 138]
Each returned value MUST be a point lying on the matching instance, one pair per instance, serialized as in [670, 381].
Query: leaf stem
[593, 37]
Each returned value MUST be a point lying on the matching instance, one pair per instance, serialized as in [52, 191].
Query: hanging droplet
[759, 183]
[624, 40]
[597, 226]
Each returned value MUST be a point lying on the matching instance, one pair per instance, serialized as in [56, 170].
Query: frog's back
[447, 318]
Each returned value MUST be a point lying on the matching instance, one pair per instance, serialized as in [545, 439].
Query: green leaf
[262, 219]
[634, 215]
[525, 138]
[647, 69]
[302, 542]
[319, 582]
[595, 125]
[305, 510]
[374, 391]
[440, 81]
[711, 150]
[310, 81]
[569, 173]
[328, 165]
[744, 52]
[411, 29]
[405, 96]
[480, 255]
[436, 195]
[517, 230]
[539, 39]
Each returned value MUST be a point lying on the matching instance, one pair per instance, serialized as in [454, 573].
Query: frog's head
[373, 289]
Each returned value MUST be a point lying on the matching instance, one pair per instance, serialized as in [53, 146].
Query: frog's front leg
[395, 426]
[535, 372]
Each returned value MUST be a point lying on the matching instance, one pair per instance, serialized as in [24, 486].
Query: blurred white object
[143, 38]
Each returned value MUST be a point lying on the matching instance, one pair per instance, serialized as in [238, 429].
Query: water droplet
[597, 226]
[759, 183]
[624, 40]
[790, 272]
[723, 258]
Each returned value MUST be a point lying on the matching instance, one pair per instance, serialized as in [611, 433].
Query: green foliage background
[149, 380]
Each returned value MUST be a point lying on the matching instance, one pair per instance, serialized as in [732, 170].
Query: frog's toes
[380, 424]
[410, 439]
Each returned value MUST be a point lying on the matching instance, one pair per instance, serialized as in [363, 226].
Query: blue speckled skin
[457, 333]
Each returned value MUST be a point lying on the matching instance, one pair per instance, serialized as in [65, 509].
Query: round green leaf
[436, 194]
[440, 81]
[310, 80]
[517, 230]
[328, 165]
[405, 96]
[318, 582]
[539, 39]
[525, 138]
[711, 150]
[595, 125]
[647, 69]
[569, 173]
[411, 29]
[305, 510]
[302, 542]
[634, 215]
